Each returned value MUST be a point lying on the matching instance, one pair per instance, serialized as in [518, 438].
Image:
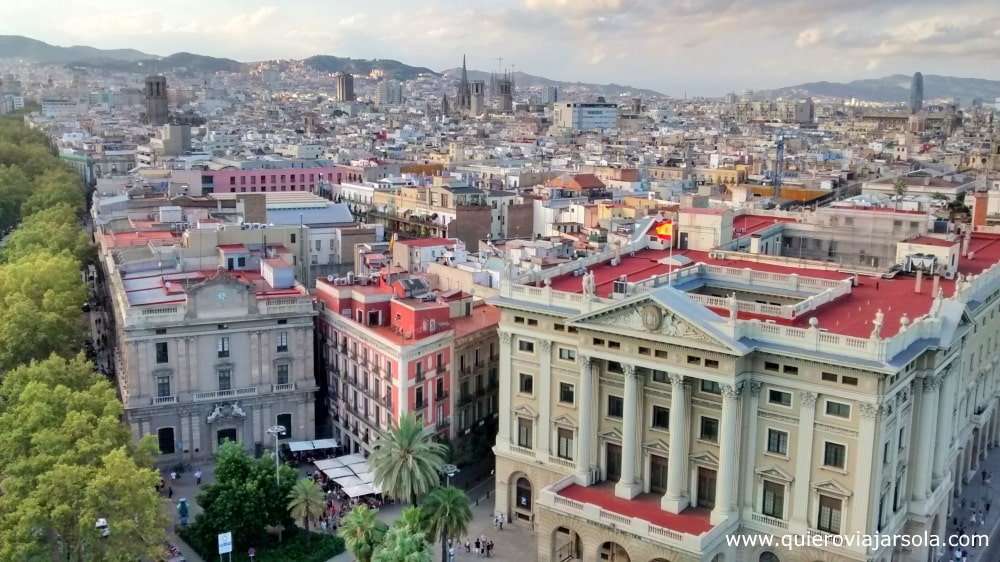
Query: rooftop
[691, 521]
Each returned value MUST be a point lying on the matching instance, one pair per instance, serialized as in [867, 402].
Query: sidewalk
[185, 487]
[977, 491]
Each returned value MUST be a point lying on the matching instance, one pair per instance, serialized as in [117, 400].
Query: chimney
[935, 286]
[920, 281]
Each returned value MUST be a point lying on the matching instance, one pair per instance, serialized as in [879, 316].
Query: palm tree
[306, 502]
[412, 518]
[362, 532]
[446, 514]
[406, 461]
[403, 544]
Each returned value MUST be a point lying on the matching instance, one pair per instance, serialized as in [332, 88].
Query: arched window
[769, 557]
[523, 494]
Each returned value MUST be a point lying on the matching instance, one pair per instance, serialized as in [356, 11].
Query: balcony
[443, 423]
[420, 405]
[161, 400]
[287, 387]
[641, 516]
[768, 520]
[441, 396]
[224, 394]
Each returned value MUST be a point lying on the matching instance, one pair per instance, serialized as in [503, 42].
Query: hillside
[19, 47]
[895, 88]
[393, 68]
[567, 89]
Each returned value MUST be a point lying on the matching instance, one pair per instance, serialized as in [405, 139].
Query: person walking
[197, 477]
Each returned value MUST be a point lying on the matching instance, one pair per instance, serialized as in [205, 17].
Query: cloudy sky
[675, 46]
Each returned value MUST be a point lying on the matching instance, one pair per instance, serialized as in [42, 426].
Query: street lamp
[276, 431]
[449, 470]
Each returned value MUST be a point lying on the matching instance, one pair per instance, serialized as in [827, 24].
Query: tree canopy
[407, 460]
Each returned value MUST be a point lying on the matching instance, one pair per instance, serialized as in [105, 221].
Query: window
[614, 345]
[565, 443]
[566, 393]
[661, 417]
[850, 381]
[711, 363]
[615, 367]
[779, 397]
[165, 438]
[291, 238]
[644, 351]
[282, 373]
[285, 421]
[769, 366]
[790, 370]
[834, 454]
[616, 406]
[567, 354]
[525, 346]
[519, 319]
[282, 342]
[526, 383]
[225, 379]
[709, 429]
[829, 377]
[660, 354]
[694, 360]
[829, 515]
[660, 376]
[710, 386]
[524, 433]
[838, 409]
[559, 327]
[223, 347]
[532, 322]
[774, 500]
[161, 352]
[162, 387]
[598, 341]
[777, 442]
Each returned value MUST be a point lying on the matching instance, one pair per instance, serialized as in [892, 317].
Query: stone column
[627, 487]
[544, 397]
[799, 520]
[586, 432]
[750, 458]
[867, 484]
[725, 487]
[926, 433]
[676, 499]
[503, 426]
[942, 441]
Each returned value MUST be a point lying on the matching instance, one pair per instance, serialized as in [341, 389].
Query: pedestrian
[489, 548]
[984, 476]
[251, 553]
[987, 506]
[451, 554]
[197, 477]
[477, 545]
[468, 546]
[173, 475]
[501, 521]
[170, 491]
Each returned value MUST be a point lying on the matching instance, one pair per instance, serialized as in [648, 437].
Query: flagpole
[670, 262]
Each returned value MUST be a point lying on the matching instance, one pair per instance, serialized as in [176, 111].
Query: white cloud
[808, 38]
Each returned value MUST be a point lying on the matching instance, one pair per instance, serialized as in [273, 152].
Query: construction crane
[779, 168]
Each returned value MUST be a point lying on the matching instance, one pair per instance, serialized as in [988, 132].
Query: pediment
[774, 473]
[221, 295]
[833, 488]
[564, 421]
[706, 458]
[614, 434]
[657, 445]
[525, 411]
[664, 314]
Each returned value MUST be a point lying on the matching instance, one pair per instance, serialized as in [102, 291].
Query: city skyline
[673, 47]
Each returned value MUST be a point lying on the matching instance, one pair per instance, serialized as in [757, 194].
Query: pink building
[233, 180]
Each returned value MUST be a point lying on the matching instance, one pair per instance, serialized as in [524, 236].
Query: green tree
[362, 532]
[413, 518]
[306, 502]
[244, 499]
[15, 187]
[446, 513]
[406, 461]
[40, 298]
[54, 187]
[899, 188]
[66, 460]
[403, 544]
[54, 230]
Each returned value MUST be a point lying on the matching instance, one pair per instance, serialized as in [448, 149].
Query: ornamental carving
[226, 411]
[505, 337]
[808, 399]
[870, 411]
[755, 387]
[660, 322]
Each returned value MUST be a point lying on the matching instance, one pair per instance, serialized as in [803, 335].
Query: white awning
[325, 444]
[338, 472]
[361, 490]
[328, 463]
[297, 446]
[348, 481]
[366, 477]
[348, 460]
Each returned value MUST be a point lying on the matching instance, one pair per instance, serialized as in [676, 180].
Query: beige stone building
[647, 420]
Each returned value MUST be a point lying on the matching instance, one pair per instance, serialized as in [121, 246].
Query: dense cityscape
[332, 309]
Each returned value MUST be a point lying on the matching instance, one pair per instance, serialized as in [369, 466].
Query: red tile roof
[576, 182]
[748, 224]
[932, 241]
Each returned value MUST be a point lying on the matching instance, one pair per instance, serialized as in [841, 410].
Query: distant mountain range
[18, 47]
[894, 88]
[393, 68]
[566, 88]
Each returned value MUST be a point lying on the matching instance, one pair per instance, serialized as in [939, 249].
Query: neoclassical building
[647, 416]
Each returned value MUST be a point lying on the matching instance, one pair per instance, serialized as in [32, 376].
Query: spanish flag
[665, 230]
